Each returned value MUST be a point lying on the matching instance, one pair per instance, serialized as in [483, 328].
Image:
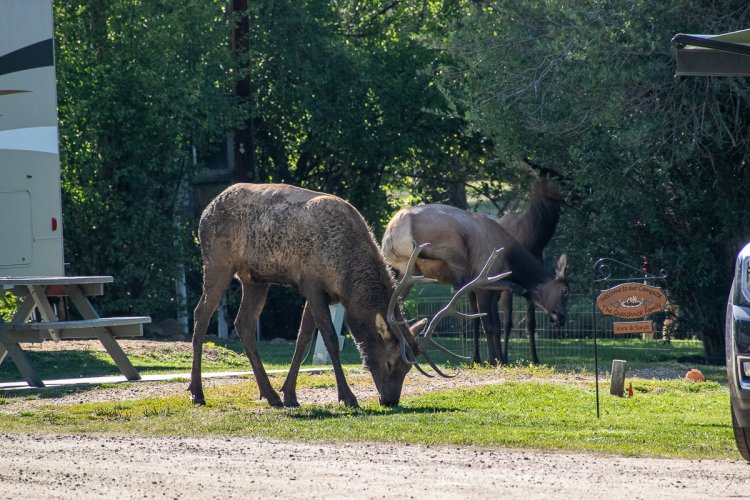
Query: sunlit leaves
[658, 164]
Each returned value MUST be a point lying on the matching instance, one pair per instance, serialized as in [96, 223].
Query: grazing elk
[532, 228]
[274, 233]
[460, 242]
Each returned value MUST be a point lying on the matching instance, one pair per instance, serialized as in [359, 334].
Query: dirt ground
[69, 467]
[60, 466]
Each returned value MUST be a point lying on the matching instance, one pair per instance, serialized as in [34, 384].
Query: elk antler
[402, 289]
[450, 309]
[425, 340]
[407, 281]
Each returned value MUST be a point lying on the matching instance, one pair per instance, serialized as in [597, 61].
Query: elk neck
[528, 272]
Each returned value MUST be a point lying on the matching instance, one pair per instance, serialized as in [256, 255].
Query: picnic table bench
[33, 292]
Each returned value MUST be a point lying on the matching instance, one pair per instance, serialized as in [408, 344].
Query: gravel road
[69, 467]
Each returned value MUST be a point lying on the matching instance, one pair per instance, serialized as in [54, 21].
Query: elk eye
[565, 292]
[388, 365]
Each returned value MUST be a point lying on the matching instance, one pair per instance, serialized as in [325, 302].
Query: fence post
[320, 355]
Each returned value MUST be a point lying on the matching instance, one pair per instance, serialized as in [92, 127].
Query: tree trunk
[244, 138]
[457, 195]
[713, 344]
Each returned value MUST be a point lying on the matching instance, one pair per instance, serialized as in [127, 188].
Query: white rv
[31, 236]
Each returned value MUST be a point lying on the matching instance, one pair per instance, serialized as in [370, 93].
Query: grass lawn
[534, 406]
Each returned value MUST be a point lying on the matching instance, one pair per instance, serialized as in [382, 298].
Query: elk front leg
[253, 300]
[304, 339]
[506, 304]
[491, 325]
[322, 318]
[531, 330]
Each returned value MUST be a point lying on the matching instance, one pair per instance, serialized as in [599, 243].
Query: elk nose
[560, 320]
[388, 402]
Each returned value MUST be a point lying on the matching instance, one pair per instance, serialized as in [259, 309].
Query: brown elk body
[533, 228]
[460, 242]
[274, 233]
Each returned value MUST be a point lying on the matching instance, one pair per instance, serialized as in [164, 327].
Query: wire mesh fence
[571, 345]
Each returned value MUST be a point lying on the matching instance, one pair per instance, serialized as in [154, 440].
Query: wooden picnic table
[34, 292]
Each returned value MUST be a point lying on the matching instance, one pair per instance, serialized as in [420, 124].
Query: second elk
[460, 243]
[533, 228]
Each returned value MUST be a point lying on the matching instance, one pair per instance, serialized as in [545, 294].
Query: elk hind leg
[253, 300]
[475, 324]
[304, 339]
[215, 282]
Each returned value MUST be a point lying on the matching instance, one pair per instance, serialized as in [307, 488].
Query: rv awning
[727, 54]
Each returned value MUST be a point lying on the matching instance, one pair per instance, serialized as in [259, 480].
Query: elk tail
[398, 244]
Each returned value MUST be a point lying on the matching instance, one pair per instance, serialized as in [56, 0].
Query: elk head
[552, 296]
[386, 361]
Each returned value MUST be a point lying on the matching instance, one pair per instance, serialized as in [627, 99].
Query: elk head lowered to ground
[274, 233]
[460, 243]
[532, 228]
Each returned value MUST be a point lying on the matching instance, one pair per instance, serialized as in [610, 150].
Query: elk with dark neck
[460, 242]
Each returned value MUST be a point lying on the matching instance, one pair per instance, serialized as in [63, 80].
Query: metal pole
[596, 351]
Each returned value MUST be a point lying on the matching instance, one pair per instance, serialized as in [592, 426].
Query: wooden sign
[624, 327]
[631, 300]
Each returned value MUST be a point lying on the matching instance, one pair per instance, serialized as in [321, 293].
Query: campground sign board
[631, 300]
[625, 327]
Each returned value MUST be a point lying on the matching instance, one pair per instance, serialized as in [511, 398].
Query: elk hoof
[290, 397]
[350, 402]
[291, 403]
[275, 401]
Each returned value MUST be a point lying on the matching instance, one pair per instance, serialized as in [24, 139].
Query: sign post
[631, 298]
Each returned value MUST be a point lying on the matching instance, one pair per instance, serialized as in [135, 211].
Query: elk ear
[562, 263]
[417, 327]
[382, 327]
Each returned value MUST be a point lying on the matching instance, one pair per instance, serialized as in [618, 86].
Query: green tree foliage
[139, 84]
[658, 164]
[364, 98]
[342, 99]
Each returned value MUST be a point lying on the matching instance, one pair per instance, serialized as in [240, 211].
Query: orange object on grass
[695, 375]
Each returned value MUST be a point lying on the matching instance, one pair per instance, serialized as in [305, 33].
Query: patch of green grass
[535, 409]
[218, 356]
[667, 418]
[565, 354]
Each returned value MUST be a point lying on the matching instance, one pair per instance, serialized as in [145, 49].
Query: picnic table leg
[45, 308]
[14, 350]
[103, 334]
[22, 363]
[25, 307]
